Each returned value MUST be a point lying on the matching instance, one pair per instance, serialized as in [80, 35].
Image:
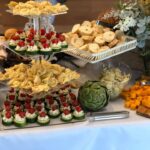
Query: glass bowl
[115, 76]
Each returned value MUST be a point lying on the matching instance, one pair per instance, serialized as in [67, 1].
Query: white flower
[131, 18]
[123, 27]
[125, 14]
[129, 13]
[140, 30]
[142, 21]
[130, 22]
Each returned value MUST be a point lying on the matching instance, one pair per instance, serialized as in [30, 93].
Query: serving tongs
[100, 116]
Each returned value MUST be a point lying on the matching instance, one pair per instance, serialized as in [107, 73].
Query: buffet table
[125, 134]
[45, 95]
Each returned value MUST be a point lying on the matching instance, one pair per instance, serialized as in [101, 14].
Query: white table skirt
[132, 133]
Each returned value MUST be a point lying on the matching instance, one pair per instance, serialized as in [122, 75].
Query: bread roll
[10, 32]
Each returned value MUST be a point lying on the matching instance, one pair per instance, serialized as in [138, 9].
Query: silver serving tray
[31, 16]
[56, 121]
[53, 122]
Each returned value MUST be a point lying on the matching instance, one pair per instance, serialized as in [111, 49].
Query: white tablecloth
[132, 133]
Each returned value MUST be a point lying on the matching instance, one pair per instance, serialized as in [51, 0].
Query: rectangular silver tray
[53, 122]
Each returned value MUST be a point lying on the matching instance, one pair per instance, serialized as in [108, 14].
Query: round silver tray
[44, 15]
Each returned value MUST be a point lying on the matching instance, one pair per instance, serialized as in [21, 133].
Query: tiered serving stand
[38, 22]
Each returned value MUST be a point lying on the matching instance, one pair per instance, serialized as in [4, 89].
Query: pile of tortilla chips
[40, 76]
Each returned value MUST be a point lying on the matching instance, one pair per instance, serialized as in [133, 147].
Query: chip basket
[130, 44]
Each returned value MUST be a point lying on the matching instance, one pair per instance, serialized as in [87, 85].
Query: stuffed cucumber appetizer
[78, 113]
[43, 118]
[20, 119]
[31, 115]
[21, 47]
[66, 116]
[32, 49]
[54, 112]
[45, 49]
[56, 45]
[7, 119]
[13, 42]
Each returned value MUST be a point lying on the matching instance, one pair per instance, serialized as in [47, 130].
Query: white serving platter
[43, 15]
[130, 44]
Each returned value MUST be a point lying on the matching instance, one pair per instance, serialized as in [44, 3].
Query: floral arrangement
[133, 21]
[133, 18]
